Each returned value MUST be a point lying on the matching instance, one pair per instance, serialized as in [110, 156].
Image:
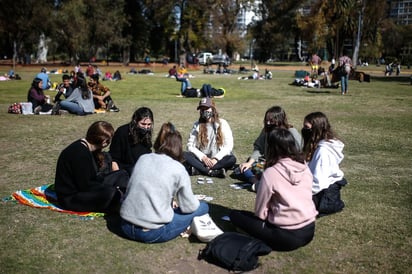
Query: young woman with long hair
[324, 153]
[77, 181]
[132, 140]
[284, 215]
[210, 143]
[159, 203]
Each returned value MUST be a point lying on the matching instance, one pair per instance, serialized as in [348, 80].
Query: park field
[373, 234]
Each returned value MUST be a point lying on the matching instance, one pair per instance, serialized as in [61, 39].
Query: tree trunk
[42, 50]
[358, 36]
[126, 55]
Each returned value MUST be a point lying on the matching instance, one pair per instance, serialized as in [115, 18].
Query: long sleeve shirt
[284, 196]
[149, 195]
[212, 150]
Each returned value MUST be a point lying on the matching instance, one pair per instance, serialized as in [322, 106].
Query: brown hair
[281, 144]
[202, 136]
[169, 142]
[99, 132]
[276, 116]
[321, 130]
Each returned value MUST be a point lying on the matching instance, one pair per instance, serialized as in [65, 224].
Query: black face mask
[269, 127]
[144, 131]
[306, 133]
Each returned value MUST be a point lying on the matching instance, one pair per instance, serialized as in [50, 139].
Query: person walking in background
[315, 62]
[345, 66]
[210, 143]
[284, 215]
[324, 153]
[159, 203]
[132, 140]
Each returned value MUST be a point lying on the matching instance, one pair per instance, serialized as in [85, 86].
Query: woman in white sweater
[159, 203]
[324, 153]
[210, 143]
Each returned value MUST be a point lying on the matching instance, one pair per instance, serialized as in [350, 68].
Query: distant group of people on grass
[296, 179]
[321, 77]
[74, 95]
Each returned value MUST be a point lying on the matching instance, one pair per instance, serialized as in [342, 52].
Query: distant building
[400, 11]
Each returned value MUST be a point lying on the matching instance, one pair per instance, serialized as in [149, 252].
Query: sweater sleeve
[116, 145]
[192, 142]
[320, 167]
[36, 96]
[263, 197]
[74, 171]
[259, 146]
[227, 146]
[188, 203]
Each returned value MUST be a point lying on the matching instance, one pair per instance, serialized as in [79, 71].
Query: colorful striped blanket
[45, 197]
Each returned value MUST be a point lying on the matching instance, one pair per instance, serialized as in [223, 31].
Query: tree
[22, 22]
[277, 27]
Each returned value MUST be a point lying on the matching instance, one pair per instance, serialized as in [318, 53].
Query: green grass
[372, 235]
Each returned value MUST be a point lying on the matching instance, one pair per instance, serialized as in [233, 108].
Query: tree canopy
[128, 30]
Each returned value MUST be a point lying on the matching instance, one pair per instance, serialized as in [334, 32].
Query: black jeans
[278, 238]
[328, 201]
[191, 160]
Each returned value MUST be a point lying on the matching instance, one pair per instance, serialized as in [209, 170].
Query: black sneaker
[220, 173]
[56, 109]
[109, 105]
[114, 109]
[194, 171]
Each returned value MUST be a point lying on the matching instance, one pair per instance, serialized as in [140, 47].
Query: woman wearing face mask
[250, 171]
[77, 185]
[132, 140]
[324, 153]
[210, 143]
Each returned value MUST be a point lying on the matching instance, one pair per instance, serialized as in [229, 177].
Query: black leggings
[191, 160]
[277, 238]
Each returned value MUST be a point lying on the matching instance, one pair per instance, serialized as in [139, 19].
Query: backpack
[234, 251]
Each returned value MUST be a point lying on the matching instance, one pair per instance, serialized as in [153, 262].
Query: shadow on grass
[113, 221]
[392, 78]
[318, 91]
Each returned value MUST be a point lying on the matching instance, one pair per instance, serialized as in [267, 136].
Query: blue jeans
[246, 176]
[185, 84]
[167, 232]
[72, 107]
[344, 83]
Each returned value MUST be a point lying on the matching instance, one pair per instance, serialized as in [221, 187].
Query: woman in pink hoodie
[284, 216]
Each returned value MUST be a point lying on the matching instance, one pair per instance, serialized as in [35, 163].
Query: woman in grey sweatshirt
[159, 202]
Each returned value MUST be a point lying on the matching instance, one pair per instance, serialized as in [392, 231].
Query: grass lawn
[373, 234]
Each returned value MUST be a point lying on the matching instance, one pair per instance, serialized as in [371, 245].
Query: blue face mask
[205, 114]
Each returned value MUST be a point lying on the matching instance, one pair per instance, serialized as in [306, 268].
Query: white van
[203, 57]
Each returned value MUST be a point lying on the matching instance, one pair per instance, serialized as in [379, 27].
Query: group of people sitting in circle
[298, 181]
[79, 96]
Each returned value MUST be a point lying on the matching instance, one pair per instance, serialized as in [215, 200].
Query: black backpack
[234, 251]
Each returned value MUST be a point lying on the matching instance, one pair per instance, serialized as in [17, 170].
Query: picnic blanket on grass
[45, 197]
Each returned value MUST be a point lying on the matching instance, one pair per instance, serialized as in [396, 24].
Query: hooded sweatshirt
[324, 164]
[284, 196]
